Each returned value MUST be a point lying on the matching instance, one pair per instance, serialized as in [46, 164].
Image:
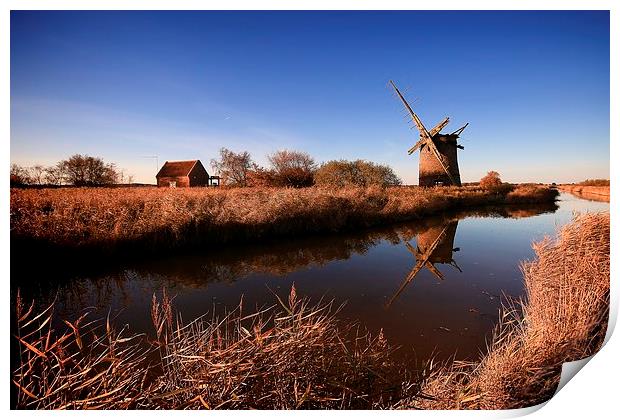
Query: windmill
[434, 246]
[438, 160]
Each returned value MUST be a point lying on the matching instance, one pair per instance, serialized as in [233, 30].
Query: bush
[261, 177]
[491, 180]
[359, 173]
[292, 169]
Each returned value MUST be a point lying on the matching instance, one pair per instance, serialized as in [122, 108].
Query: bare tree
[87, 171]
[292, 168]
[37, 174]
[19, 175]
[54, 175]
[232, 167]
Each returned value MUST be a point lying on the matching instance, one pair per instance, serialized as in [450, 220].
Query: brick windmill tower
[438, 160]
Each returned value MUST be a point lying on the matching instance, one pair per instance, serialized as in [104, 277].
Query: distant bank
[129, 221]
[590, 192]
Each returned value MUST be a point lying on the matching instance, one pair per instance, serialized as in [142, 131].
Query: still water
[435, 287]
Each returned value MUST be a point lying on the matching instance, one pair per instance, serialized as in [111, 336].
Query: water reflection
[366, 269]
[594, 195]
[435, 245]
[434, 238]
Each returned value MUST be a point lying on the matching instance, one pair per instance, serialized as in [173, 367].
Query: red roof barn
[185, 173]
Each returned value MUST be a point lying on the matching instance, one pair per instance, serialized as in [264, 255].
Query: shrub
[359, 173]
[291, 169]
[529, 193]
[491, 180]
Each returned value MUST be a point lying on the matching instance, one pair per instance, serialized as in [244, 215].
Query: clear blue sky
[534, 87]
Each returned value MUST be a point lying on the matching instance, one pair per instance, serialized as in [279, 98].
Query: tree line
[286, 169]
[78, 170]
[298, 169]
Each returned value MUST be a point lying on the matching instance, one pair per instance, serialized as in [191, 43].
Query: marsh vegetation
[296, 355]
[150, 220]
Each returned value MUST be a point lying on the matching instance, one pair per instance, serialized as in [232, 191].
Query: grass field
[293, 355]
[134, 220]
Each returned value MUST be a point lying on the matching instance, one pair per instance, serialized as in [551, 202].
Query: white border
[592, 394]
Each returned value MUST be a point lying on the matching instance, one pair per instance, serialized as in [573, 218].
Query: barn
[185, 173]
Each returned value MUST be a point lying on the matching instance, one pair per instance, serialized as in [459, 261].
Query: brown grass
[89, 365]
[589, 192]
[563, 319]
[595, 182]
[294, 355]
[290, 356]
[156, 220]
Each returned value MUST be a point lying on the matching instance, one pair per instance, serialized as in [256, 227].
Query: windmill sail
[438, 162]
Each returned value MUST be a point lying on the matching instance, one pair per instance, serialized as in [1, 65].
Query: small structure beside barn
[185, 173]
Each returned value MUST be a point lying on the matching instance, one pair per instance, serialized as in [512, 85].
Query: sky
[130, 85]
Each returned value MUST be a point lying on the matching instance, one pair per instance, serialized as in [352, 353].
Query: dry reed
[289, 356]
[89, 365]
[564, 318]
[589, 192]
[294, 355]
[118, 219]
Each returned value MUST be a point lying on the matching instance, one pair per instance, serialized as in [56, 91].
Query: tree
[79, 170]
[83, 170]
[37, 174]
[491, 180]
[359, 173]
[232, 167]
[292, 169]
[19, 175]
[54, 175]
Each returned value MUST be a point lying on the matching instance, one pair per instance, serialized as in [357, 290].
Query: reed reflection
[129, 285]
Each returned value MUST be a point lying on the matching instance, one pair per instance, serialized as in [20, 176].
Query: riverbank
[564, 318]
[589, 192]
[295, 355]
[151, 220]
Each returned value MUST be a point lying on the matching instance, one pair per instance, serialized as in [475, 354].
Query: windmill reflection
[434, 246]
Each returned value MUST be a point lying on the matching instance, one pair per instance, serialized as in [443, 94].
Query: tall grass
[289, 356]
[131, 220]
[589, 192]
[595, 182]
[90, 365]
[296, 355]
[564, 318]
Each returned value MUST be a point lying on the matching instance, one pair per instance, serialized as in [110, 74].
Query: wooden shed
[185, 173]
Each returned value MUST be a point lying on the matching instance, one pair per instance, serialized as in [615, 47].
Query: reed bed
[132, 220]
[564, 318]
[290, 356]
[295, 355]
[589, 192]
[89, 365]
